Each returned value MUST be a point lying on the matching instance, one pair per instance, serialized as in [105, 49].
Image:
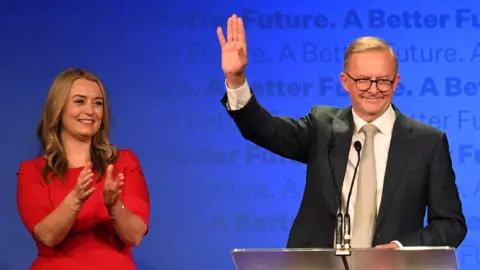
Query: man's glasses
[362, 84]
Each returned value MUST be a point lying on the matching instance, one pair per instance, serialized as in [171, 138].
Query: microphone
[347, 226]
[339, 244]
[339, 218]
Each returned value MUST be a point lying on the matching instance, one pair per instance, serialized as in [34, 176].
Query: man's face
[369, 99]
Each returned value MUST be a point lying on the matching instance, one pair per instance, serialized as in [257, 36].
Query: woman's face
[83, 113]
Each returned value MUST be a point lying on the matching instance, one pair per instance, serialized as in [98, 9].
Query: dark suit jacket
[418, 176]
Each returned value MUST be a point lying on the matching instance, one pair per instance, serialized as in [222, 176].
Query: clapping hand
[234, 49]
[83, 189]
[112, 188]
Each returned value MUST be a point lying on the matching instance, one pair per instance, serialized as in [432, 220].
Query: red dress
[92, 242]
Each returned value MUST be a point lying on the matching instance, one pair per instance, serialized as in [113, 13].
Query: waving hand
[234, 48]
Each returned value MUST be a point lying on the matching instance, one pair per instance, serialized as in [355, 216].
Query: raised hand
[112, 187]
[234, 49]
[83, 189]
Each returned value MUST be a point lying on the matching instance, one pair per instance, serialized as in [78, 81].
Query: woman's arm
[47, 224]
[55, 226]
[129, 227]
[131, 212]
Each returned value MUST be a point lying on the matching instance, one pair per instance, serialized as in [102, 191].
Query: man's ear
[344, 80]
[397, 80]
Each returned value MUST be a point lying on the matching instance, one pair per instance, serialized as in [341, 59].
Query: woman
[84, 201]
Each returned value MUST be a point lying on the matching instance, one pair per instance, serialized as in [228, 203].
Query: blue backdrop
[211, 190]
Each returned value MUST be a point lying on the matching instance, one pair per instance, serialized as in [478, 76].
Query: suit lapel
[342, 132]
[400, 144]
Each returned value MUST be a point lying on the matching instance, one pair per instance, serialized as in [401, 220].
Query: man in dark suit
[404, 165]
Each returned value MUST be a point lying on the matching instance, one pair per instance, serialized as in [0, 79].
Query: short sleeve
[135, 191]
[33, 199]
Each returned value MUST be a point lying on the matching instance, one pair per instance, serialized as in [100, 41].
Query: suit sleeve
[283, 136]
[446, 221]
[135, 191]
[33, 199]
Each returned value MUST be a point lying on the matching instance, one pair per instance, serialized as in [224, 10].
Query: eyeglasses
[362, 84]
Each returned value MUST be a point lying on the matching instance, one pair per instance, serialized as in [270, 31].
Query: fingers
[88, 166]
[86, 169]
[116, 184]
[85, 176]
[229, 29]
[120, 185]
[113, 189]
[109, 172]
[242, 38]
[89, 192]
[235, 32]
[86, 184]
[120, 177]
[119, 181]
[234, 27]
[85, 191]
[221, 37]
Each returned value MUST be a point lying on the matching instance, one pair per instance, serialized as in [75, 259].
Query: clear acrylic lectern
[409, 258]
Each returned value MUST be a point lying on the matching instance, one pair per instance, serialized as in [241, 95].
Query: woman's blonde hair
[49, 127]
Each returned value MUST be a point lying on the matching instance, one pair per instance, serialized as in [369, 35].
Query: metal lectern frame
[407, 258]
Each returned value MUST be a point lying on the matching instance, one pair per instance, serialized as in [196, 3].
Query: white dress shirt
[382, 139]
[238, 98]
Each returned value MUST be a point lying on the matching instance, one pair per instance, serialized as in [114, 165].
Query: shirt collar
[384, 123]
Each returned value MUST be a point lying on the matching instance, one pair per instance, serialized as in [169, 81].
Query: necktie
[366, 203]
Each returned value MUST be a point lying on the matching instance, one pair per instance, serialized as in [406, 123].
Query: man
[405, 165]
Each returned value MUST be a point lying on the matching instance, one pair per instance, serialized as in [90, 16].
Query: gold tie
[366, 203]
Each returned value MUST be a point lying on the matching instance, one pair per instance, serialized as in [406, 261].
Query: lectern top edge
[419, 248]
[280, 249]
[427, 248]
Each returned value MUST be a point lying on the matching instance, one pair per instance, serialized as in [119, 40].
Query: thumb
[109, 172]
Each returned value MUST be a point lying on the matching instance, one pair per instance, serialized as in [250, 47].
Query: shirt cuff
[238, 98]
[398, 243]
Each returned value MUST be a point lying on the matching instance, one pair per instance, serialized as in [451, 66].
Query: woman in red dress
[84, 201]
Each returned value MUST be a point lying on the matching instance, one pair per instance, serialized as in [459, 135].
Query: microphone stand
[343, 226]
[340, 249]
[347, 226]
